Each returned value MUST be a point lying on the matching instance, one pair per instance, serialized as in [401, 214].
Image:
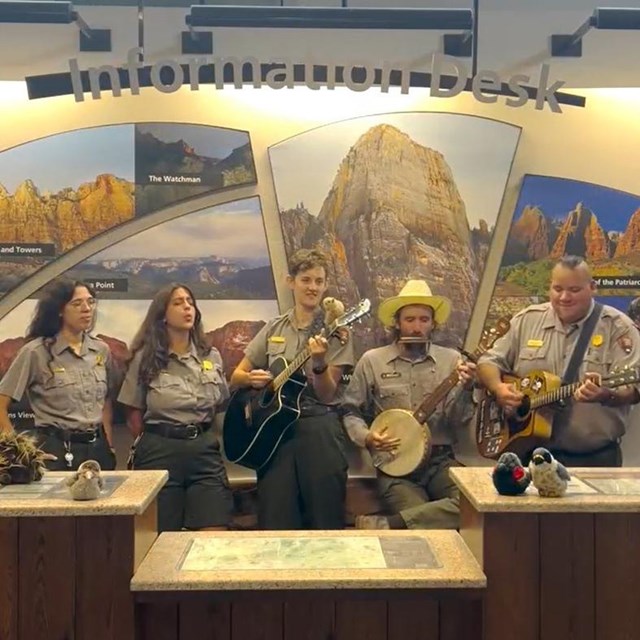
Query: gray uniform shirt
[280, 337]
[66, 391]
[537, 340]
[384, 379]
[186, 392]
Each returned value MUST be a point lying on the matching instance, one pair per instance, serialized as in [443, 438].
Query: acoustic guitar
[531, 424]
[411, 428]
[257, 419]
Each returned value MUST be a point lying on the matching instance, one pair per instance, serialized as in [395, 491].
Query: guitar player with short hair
[304, 484]
[398, 376]
[544, 337]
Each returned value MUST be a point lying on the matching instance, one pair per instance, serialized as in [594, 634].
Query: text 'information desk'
[309, 585]
[66, 565]
[557, 568]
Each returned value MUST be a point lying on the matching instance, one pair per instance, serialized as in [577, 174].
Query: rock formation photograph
[395, 197]
[60, 191]
[212, 250]
[178, 161]
[558, 216]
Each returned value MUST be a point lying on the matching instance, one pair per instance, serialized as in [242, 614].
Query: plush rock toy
[549, 477]
[510, 477]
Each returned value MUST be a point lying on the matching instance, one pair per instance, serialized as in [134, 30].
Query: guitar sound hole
[524, 408]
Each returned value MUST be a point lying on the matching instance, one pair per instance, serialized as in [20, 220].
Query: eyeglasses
[77, 304]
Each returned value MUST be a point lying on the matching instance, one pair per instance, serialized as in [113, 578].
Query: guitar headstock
[618, 377]
[352, 315]
[489, 336]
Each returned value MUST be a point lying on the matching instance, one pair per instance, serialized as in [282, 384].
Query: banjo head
[414, 447]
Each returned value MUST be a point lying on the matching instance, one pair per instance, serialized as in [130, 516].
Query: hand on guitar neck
[466, 373]
[591, 390]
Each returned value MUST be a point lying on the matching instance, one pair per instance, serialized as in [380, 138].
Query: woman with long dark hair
[172, 390]
[65, 373]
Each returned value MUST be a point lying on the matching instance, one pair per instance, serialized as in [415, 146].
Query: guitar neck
[561, 393]
[567, 390]
[291, 368]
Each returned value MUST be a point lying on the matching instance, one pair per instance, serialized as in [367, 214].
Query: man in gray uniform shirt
[542, 337]
[400, 376]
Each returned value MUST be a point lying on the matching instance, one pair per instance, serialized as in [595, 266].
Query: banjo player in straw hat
[399, 376]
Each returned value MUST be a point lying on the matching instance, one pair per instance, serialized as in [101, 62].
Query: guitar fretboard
[561, 393]
[291, 368]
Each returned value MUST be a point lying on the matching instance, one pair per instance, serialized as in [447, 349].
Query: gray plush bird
[548, 476]
[86, 483]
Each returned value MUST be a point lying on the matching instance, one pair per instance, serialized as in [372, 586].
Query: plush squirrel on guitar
[510, 478]
[333, 309]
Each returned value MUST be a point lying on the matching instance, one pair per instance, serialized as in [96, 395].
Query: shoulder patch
[625, 343]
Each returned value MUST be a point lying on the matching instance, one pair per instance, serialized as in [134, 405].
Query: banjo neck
[430, 402]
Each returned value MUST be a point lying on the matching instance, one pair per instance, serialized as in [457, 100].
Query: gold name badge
[535, 343]
[278, 339]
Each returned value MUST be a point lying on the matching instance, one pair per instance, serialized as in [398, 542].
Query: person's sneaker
[372, 522]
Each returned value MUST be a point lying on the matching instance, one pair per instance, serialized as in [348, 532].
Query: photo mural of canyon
[395, 197]
[58, 192]
[178, 161]
[211, 250]
[557, 216]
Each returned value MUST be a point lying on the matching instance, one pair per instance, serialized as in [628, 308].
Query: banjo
[411, 428]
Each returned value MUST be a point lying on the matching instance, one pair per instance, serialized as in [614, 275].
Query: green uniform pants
[304, 485]
[427, 498]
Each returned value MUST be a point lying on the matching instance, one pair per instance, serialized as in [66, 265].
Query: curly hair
[152, 338]
[47, 318]
[46, 322]
[305, 259]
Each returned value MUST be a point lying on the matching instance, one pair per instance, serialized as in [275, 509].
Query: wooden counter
[308, 585]
[65, 564]
[557, 568]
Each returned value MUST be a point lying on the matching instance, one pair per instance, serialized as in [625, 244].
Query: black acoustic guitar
[257, 419]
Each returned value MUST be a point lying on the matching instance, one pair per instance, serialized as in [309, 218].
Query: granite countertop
[298, 560]
[125, 493]
[591, 490]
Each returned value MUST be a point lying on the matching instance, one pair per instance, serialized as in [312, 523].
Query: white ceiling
[513, 37]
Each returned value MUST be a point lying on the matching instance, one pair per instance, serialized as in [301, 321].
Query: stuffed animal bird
[86, 483]
[549, 477]
[509, 477]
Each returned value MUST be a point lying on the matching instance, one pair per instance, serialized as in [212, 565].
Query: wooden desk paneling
[310, 615]
[8, 579]
[557, 576]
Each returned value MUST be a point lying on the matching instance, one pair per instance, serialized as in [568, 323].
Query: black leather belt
[441, 449]
[86, 436]
[178, 431]
[315, 410]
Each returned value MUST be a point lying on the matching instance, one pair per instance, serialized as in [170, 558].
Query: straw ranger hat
[414, 292]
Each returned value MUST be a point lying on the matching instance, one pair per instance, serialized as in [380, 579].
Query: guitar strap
[570, 374]
[571, 371]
